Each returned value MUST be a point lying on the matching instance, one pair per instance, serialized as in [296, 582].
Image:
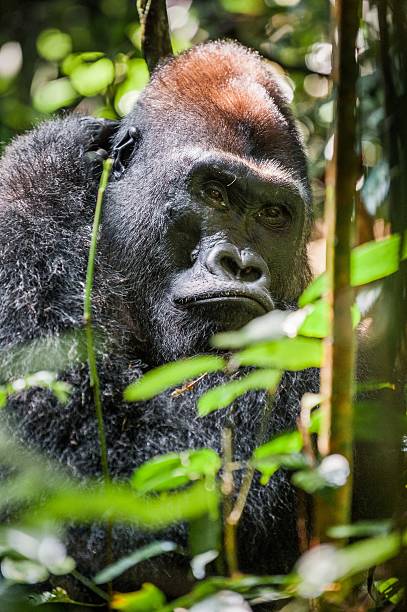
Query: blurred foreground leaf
[146, 552]
[118, 503]
[147, 599]
[321, 566]
[54, 45]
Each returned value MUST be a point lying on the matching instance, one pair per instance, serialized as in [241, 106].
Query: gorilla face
[223, 244]
[217, 201]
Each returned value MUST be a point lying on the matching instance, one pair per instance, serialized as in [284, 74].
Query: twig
[227, 491]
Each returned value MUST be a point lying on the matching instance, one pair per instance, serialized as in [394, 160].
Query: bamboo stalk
[338, 373]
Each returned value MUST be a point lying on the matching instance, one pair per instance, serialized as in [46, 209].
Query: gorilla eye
[275, 216]
[215, 194]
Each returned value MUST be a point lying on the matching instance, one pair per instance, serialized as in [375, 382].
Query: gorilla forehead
[218, 95]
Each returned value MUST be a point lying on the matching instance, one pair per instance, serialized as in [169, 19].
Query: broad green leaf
[146, 552]
[147, 599]
[223, 395]
[170, 375]
[120, 503]
[375, 260]
[287, 354]
[316, 324]
[274, 325]
[279, 452]
[369, 262]
[315, 289]
[93, 78]
[175, 469]
[286, 443]
[54, 45]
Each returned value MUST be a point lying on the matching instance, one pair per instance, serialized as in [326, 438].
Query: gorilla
[205, 226]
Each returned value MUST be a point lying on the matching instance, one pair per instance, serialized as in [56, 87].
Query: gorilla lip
[264, 303]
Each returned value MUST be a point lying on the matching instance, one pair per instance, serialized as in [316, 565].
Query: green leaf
[223, 395]
[316, 324]
[326, 564]
[122, 504]
[287, 354]
[91, 79]
[204, 534]
[77, 59]
[54, 45]
[360, 529]
[170, 375]
[391, 589]
[309, 480]
[54, 95]
[147, 599]
[175, 469]
[274, 325]
[282, 451]
[375, 260]
[286, 443]
[315, 289]
[146, 552]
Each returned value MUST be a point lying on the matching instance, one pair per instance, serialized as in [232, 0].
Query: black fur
[210, 99]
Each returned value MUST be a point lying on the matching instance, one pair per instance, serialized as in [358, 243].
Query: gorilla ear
[123, 150]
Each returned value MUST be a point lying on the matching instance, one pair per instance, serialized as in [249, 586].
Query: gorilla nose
[226, 261]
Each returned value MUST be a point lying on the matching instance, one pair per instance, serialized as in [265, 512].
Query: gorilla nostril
[251, 274]
[230, 265]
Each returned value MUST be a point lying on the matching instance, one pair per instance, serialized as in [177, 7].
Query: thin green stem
[90, 585]
[87, 315]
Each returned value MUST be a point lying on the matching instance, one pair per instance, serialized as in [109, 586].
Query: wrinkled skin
[204, 227]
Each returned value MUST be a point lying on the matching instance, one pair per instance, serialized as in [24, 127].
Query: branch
[155, 34]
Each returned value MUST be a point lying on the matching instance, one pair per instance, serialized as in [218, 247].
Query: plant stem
[87, 315]
[336, 436]
[227, 491]
[89, 584]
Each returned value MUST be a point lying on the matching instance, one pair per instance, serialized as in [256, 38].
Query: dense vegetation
[88, 56]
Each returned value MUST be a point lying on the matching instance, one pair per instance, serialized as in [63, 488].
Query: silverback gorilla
[205, 226]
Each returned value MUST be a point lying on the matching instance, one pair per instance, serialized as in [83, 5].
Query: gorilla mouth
[261, 302]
